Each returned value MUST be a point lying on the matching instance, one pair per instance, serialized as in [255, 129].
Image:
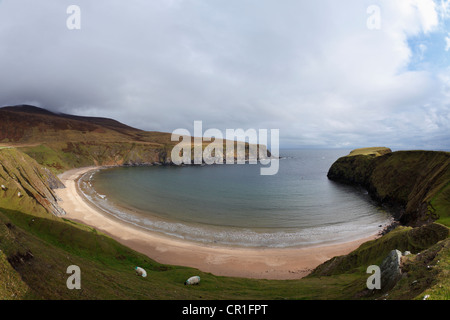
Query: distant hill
[28, 110]
[62, 141]
[30, 124]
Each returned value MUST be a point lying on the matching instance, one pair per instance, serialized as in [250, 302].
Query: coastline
[259, 263]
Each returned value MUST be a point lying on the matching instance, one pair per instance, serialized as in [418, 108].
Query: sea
[234, 205]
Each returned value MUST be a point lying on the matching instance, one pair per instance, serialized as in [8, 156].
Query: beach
[259, 263]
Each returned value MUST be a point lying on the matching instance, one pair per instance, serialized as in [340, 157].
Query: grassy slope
[12, 286]
[107, 268]
[373, 252]
[28, 185]
[62, 156]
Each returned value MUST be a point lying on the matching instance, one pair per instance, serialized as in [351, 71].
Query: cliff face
[26, 185]
[415, 183]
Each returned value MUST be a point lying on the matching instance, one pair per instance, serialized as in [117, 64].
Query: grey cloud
[311, 69]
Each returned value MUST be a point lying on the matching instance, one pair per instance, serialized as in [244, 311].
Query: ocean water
[235, 205]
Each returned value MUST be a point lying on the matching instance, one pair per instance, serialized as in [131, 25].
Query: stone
[390, 270]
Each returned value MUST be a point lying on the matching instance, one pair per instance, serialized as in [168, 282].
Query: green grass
[373, 252]
[12, 286]
[426, 274]
[441, 204]
[374, 151]
[107, 268]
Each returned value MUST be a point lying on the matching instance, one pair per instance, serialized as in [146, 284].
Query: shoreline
[221, 260]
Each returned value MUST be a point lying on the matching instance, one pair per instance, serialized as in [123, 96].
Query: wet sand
[260, 263]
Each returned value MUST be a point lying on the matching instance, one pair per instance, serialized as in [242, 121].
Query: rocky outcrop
[27, 185]
[390, 270]
[402, 238]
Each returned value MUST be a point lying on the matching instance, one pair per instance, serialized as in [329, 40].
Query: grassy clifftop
[415, 183]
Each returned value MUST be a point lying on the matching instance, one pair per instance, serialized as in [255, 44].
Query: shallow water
[235, 205]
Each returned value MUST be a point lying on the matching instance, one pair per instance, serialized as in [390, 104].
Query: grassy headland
[415, 183]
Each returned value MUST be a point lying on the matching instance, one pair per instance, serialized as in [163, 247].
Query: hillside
[29, 125]
[61, 142]
[26, 184]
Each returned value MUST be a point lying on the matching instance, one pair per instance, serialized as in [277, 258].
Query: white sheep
[192, 280]
[140, 272]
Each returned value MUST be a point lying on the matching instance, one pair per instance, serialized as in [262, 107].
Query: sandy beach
[261, 263]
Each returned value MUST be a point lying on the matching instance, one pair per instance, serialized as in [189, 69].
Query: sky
[326, 73]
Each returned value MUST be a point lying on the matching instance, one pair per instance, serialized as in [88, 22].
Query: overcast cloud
[312, 69]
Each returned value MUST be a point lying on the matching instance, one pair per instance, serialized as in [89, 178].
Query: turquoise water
[235, 205]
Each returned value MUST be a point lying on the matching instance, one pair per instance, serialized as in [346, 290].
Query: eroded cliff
[416, 184]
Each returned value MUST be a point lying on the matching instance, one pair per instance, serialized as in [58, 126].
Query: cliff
[27, 185]
[415, 184]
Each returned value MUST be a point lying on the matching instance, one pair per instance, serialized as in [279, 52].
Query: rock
[19, 194]
[406, 253]
[390, 270]
[3, 187]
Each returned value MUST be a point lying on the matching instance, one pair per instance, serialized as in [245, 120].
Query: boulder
[390, 270]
